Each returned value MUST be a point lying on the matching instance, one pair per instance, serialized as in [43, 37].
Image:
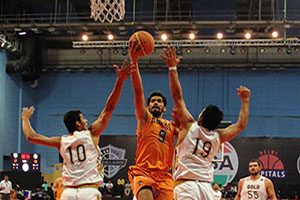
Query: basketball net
[107, 10]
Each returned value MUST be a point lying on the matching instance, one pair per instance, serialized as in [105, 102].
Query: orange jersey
[155, 145]
[60, 188]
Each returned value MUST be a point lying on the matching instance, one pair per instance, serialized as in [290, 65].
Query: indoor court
[59, 55]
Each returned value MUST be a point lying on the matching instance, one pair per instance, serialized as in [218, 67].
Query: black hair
[255, 160]
[157, 93]
[212, 117]
[215, 183]
[70, 119]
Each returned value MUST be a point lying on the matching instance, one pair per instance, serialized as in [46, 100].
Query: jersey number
[252, 194]
[80, 153]
[206, 148]
[162, 135]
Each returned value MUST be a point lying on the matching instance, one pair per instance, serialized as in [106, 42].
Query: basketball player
[217, 192]
[79, 149]
[149, 176]
[58, 188]
[255, 186]
[198, 141]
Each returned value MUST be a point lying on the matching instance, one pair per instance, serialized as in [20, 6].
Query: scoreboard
[25, 162]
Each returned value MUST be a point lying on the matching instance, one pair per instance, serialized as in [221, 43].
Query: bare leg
[145, 194]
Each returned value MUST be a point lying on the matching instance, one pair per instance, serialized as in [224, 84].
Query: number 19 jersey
[195, 154]
[81, 160]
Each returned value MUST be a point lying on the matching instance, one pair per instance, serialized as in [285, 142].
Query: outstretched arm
[99, 125]
[270, 189]
[183, 115]
[231, 131]
[34, 137]
[141, 111]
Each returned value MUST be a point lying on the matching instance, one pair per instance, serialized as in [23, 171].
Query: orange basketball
[145, 42]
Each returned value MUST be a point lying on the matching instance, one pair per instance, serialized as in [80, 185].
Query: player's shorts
[81, 193]
[193, 190]
[161, 183]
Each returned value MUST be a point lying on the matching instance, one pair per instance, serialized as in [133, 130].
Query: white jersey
[217, 195]
[81, 160]
[255, 190]
[195, 154]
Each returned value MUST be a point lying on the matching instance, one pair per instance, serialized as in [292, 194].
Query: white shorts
[193, 190]
[80, 194]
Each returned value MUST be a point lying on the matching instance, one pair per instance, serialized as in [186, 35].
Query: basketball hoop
[107, 10]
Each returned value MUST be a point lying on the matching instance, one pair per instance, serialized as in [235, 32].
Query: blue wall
[11, 137]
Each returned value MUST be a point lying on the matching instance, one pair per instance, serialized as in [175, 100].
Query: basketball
[145, 42]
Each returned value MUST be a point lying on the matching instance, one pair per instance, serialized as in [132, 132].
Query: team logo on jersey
[226, 169]
[271, 165]
[113, 159]
[298, 164]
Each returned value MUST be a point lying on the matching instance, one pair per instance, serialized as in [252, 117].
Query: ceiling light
[222, 50]
[99, 52]
[243, 50]
[248, 36]
[192, 36]
[115, 51]
[82, 51]
[220, 36]
[289, 50]
[207, 50]
[85, 37]
[110, 36]
[262, 50]
[188, 50]
[178, 51]
[279, 50]
[22, 33]
[124, 52]
[164, 37]
[232, 51]
[275, 34]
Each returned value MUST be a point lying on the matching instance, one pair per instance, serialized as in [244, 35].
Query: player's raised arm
[141, 111]
[231, 131]
[30, 133]
[99, 125]
[183, 115]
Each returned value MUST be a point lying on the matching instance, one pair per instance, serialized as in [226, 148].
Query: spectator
[5, 188]
[109, 188]
[45, 185]
[127, 189]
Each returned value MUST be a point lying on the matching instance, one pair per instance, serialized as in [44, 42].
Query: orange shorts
[161, 183]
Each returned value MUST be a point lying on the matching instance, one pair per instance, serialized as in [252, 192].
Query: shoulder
[267, 181]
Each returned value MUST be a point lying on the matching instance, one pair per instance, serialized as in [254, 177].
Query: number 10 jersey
[195, 153]
[81, 160]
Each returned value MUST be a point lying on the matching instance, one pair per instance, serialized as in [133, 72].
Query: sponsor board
[226, 169]
[113, 159]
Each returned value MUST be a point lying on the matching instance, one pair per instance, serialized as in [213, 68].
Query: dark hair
[255, 160]
[212, 116]
[70, 119]
[156, 93]
[215, 183]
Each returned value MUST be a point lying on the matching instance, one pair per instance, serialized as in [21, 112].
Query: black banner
[279, 157]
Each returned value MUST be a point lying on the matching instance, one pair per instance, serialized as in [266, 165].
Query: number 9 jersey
[81, 160]
[195, 154]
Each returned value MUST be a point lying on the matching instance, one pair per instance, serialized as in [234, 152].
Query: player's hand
[170, 57]
[125, 71]
[244, 93]
[134, 49]
[27, 112]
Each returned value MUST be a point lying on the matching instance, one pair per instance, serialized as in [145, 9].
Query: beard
[254, 173]
[156, 113]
